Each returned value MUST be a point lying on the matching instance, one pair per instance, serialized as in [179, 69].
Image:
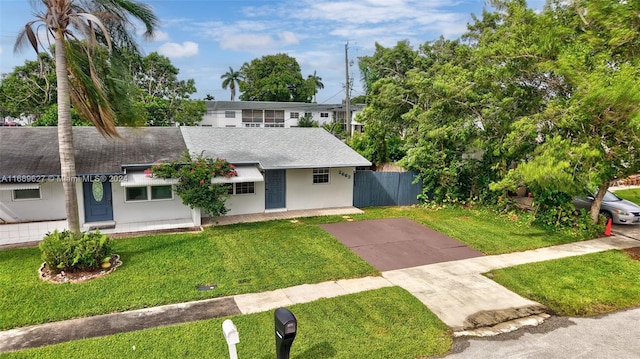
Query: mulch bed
[78, 276]
[633, 253]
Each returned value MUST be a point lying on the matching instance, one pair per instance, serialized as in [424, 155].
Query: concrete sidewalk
[455, 291]
[463, 298]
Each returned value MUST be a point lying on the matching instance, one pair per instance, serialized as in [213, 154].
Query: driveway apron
[396, 243]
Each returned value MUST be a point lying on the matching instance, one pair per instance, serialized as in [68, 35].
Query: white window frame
[233, 189]
[229, 114]
[318, 174]
[13, 195]
[148, 193]
[250, 186]
[295, 115]
[324, 114]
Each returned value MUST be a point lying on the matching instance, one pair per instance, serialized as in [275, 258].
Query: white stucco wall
[303, 194]
[247, 203]
[218, 118]
[50, 206]
[143, 211]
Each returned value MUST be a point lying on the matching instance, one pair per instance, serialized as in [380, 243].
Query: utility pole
[347, 101]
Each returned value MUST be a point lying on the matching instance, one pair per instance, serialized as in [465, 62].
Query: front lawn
[577, 286]
[164, 269]
[481, 228]
[237, 259]
[383, 323]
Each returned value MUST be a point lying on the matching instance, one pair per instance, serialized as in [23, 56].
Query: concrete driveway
[396, 243]
[627, 230]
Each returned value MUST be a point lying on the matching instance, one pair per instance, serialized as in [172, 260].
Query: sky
[203, 38]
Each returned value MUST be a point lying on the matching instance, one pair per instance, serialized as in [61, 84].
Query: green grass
[384, 323]
[166, 269]
[577, 286]
[242, 258]
[632, 194]
[480, 228]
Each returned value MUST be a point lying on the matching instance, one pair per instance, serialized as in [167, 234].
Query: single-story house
[287, 168]
[279, 169]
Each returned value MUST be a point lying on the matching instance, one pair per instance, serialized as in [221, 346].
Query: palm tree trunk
[65, 138]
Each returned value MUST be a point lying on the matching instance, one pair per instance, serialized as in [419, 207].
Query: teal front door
[274, 186]
[98, 206]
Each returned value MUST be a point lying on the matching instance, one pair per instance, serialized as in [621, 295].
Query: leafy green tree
[591, 48]
[101, 23]
[231, 79]
[307, 121]
[384, 75]
[274, 78]
[366, 146]
[165, 98]
[30, 89]
[50, 118]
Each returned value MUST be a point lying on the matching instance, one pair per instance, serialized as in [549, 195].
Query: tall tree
[316, 84]
[384, 75]
[586, 134]
[98, 23]
[30, 89]
[231, 79]
[165, 98]
[274, 78]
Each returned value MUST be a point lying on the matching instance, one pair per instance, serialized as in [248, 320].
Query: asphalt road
[614, 335]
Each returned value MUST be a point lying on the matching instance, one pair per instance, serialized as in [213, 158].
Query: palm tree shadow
[318, 351]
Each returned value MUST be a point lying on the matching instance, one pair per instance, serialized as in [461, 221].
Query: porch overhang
[18, 186]
[245, 174]
[139, 179]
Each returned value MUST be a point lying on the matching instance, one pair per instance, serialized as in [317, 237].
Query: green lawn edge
[584, 285]
[237, 259]
[382, 323]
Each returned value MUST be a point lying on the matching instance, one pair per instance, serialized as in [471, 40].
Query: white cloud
[246, 42]
[173, 50]
[159, 35]
[288, 38]
[249, 36]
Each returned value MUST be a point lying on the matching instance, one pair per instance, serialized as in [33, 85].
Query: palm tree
[316, 84]
[230, 79]
[97, 23]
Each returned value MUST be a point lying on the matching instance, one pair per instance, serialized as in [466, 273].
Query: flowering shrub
[194, 181]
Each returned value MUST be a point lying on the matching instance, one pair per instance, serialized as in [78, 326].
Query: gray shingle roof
[273, 148]
[34, 150]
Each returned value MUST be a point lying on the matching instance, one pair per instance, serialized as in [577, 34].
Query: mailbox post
[231, 336]
[286, 326]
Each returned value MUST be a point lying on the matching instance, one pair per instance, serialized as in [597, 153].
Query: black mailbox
[286, 326]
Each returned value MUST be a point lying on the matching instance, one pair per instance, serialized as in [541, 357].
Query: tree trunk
[597, 201]
[65, 137]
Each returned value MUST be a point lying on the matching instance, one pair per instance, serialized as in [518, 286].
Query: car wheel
[607, 215]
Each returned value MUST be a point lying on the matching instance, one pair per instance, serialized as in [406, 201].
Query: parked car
[619, 210]
[8, 123]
